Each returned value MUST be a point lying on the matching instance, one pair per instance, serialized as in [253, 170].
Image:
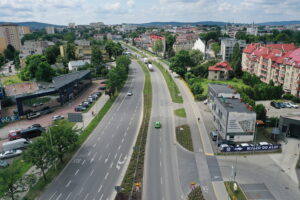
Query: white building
[128, 28]
[199, 45]
[233, 119]
[253, 30]
[74, 65]
[50, 30]
[72, 25]
[227, 45]
[82, 42]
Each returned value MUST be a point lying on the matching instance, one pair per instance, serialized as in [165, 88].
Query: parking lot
[273, 112]
[46, 120]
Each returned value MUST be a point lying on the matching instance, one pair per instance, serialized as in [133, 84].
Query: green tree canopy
[216, 48]
[44, 72]
[196, 57]
[51, 54]
[236, 60]
[32, 63]
[261, 112]
[96, 59]
[180, 62]
[70, 51]
[2, 60]
[158, 46]
[10, 52]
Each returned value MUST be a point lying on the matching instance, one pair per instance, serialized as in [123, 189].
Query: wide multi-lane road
[99, 164]
[161, 180]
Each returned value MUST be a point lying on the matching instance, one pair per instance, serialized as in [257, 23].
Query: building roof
[250, 47]
[283, 47]
[78, 63]
[220, 66]
[156, 37]
[293, 115]
[234, 105]
[60, 81]
[221, 88]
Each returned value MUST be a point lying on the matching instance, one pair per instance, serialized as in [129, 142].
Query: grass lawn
[173, 89]
[9, 80]
[238, 195]
[180, 112]
[237, 83]
[184, 137]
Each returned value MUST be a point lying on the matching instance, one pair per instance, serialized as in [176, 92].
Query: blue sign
[252, 148]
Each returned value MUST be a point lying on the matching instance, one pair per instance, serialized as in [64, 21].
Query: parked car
[263, 143]
[97, 93]
[222, 146]
[15, 144]
[293, 105]
[14, 134]
[4, 163]
[287, 105]
[10, 154]
[90, 100]
[79, 108]
[102, 88]
[33, 115]
[57, 117]
[205, 101]
[83, 104]
[35, 125]
[281, 105]
[27, 133]
[46, 110]
[275, 105]
[214, 135]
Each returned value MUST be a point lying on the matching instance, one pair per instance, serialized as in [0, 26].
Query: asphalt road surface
[161, 180]
[99, 165]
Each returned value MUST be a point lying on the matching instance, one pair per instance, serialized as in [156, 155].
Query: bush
[200, 97]
[296, 100]
[287, 96]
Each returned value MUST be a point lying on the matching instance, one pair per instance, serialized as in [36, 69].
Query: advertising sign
[252, 148]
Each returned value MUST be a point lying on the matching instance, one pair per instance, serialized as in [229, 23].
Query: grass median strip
[234, 195]
[173, 89]
[135, 169]
[180, 112]
[184, 137]
[38, 188]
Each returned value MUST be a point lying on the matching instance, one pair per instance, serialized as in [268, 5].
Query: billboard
[269, 147]
[241, 122]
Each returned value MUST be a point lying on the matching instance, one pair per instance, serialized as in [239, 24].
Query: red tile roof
[250, 47]
[219, 66]
[156, 37]
[284, 47]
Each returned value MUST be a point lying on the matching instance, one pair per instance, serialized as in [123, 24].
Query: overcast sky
[139, 11]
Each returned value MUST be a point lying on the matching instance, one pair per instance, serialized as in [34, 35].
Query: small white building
[233, 119]
[74, 65]
[199, 45]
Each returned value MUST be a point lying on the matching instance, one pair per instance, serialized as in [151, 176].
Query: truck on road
[16, 144]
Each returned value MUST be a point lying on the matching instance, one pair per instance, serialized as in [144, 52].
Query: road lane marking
[127, 128]
[122, 140]
[106, 175]
[68, 184]
[107, 145]
[101, 197]
[116, 155]
[100, 188]
[94, 145]
[98, 138]
[111, 165]
[92, 172]
[89, 153]
[68, 196]
[83, 162]
[160, 149]
[52, 195]
[76, 172]
[100, 157]
[80, 190]
[160, 180]
[125, 133]
[159, 163]
[107, 158]
[93, 158]
[86, 196]
[58, 196]
[119, 147]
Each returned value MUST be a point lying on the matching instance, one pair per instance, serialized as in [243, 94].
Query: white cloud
[130, 3]
[112, 6]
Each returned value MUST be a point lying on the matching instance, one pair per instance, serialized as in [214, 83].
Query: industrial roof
[234, 105]
[221, 88]
[60, 81]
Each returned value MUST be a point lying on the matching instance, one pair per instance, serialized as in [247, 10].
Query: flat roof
[293, 115]
[221, 88]
[60, 81]
[234, 105]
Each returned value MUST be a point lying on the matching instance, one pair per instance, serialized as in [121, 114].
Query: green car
[157, 124]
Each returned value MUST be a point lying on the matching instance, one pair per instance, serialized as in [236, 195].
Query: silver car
[10, 154]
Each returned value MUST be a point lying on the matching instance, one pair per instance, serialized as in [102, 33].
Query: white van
[15, 144]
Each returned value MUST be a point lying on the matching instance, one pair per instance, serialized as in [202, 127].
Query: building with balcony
[9, 34]
[227, 45]
[219, 71]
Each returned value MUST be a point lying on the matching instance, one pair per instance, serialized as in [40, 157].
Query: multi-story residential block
[72, 25]
[50, 30]
[97, 25]
[99, 37]
[185, 42]
[227, 45]
[219, 71]
[9, 34]
[233, 119]
[128, 28]
[23, 30]
[277, 62]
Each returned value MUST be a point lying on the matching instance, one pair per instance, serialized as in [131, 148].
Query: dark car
[79, 108]
[275, 105]
[102, 88]
[281, 105]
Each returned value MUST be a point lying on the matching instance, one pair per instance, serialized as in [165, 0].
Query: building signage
[253, 148]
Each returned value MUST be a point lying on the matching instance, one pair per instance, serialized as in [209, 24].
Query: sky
[140, 11]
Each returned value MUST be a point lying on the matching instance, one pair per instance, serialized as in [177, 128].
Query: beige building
[219, 71]
[185, 42]
[23, 30]
[9, 34]
[277, 62]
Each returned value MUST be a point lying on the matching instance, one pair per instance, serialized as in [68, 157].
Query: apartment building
[277, 62]
[227, 45]
[23, 30]
[9, 34]
[233, 119]
[219, 71]
[185, 42]
[146, 41]
[50, 30]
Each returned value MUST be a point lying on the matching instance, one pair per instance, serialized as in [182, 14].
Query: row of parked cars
[279, 105]
[85, 104]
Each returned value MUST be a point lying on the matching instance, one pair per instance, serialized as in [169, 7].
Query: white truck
[15, 144]
[145, 60]
[150, 67]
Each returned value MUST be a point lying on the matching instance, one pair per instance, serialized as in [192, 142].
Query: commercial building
[289, 125]
[74, 65]
[277, 62]
[50, 30]
[219, 71]
[9, 34]
[227, 45]
[233, 119]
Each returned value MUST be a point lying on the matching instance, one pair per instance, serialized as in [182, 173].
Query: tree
[261, 113]
[51, 54]
[9, 52]
[196, 57]
[12, 182]
[158, 46]
[216, 48]
[114, 80]
[197, 88]
[170, 40]
[180, 62]
[236, 60]
[44, 72]
[96, 59]
[70, 51]
[2, 60]
[117, 50]
[109, 48]
[32, 63]
[63, 138]
[40, 154]
[69, 37]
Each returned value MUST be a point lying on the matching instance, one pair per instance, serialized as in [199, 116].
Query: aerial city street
[158, 100]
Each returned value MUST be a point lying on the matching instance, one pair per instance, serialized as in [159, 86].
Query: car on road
[57, 117]
[275, 105]
[33, 115]
[10, 154]
[205, 101]
[222, 146]
[83, 104]
[79, 108]
[4, 163]
[37, 104]
[157, 124]
[129, 93]
[214, 135]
